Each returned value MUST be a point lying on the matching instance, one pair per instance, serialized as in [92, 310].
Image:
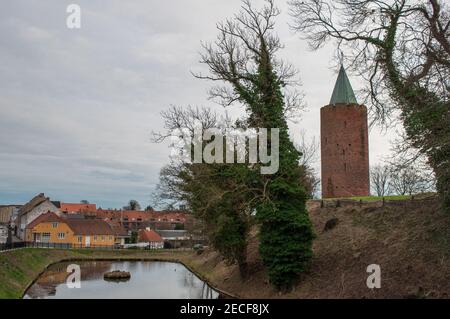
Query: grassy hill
[411, 243]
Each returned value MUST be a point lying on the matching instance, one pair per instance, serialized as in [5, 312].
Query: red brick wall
[344, 151]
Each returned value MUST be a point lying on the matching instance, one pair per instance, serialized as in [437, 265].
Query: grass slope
[411, 244]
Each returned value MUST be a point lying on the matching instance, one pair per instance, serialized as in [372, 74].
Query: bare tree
[309, 177]
[383, 41]
[309, 150]
[176, 117]
[380, 179]
[133, 205]
[409, 181]
[243, 45]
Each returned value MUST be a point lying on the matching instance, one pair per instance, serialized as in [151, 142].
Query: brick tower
[344, 143]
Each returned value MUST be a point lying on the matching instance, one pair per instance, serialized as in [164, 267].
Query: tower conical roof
[343, 92]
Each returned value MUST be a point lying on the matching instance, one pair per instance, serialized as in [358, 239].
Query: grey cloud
[77, 106]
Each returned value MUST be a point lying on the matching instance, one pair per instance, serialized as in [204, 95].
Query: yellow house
[53, 229]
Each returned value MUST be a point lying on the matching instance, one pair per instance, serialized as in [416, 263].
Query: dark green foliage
[230, 239]
[286, 232]
[133, 238]
[285, 241]
[179, 227]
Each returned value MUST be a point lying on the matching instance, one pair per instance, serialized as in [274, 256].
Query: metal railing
[23, 244]
[9, 246]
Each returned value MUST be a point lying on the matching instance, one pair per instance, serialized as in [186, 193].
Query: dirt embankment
[410, 242]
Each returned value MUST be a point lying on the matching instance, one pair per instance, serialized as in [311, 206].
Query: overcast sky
[77, 106]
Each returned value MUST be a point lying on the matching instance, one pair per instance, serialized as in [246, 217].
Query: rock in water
[117, 275]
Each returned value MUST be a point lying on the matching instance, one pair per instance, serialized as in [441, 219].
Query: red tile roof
[148, 235]
[118, 229]
[78, 226]
[141, 216]
[89, 227]
[48, 217]
[75, 208]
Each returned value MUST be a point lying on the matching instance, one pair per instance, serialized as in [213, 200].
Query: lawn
[376, 198]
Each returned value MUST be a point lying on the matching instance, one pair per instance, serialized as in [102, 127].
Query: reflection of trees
[207, 292]
[175, 279]
[41, 291]
[57, 275]
[197, 289]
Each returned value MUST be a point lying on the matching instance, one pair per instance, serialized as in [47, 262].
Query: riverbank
[19, 268]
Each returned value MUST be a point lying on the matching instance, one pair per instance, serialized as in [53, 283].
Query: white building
[3, 233]
[30, 211]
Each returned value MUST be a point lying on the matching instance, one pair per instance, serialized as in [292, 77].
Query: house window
[46, 237]
[80, 239]
[55, 225]
[95, 238]
[110, 237]
[103, 238]
[61, 235]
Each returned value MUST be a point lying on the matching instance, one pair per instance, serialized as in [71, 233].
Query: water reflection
[149, 279]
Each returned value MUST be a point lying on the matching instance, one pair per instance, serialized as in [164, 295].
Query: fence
[9, 246]
[382, 202]
[22, 244]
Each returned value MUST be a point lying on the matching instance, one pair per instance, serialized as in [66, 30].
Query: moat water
[149, 280]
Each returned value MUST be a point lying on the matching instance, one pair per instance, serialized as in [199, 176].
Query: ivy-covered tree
[244, 58]
[216, 194]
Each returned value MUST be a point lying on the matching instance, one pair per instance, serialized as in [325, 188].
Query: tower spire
[343, 91]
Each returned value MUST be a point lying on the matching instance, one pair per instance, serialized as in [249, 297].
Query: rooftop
[343, 91]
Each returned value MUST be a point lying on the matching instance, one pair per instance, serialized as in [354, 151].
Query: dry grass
[411, 244]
